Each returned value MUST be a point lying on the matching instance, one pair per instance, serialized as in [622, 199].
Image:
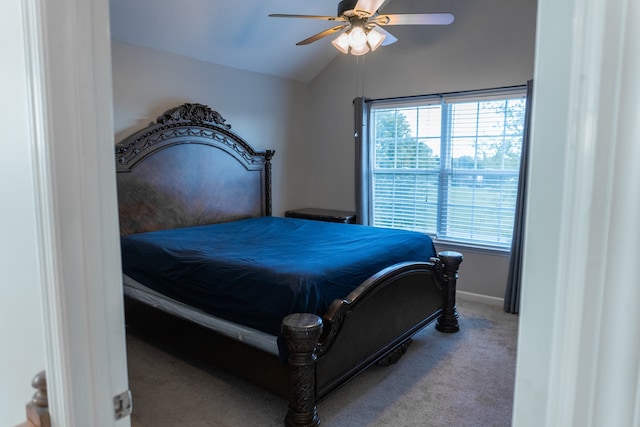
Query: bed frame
[188, 168]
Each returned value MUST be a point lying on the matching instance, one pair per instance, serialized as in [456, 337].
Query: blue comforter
[257, 271]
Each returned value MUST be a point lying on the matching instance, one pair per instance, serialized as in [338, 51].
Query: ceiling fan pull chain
[360, 77]
[363, 80]
[357, 75]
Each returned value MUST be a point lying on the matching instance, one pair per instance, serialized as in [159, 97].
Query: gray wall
[490, 44]
[268, 112]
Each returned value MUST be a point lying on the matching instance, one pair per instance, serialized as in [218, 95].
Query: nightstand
[327, 215]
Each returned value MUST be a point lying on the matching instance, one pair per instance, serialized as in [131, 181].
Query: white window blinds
[448, 166]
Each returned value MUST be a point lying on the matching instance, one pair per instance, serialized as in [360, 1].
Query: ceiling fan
[360, 25]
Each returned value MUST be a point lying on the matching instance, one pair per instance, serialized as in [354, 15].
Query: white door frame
[69, 67]
[579, 338]
[574, 286]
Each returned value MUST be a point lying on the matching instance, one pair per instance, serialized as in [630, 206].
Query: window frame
[367, 149]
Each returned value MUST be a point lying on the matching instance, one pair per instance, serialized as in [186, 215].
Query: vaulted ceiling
[237, 33]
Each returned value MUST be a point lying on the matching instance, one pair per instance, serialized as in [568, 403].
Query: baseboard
[471, 297]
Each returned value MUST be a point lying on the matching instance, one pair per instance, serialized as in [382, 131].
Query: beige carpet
[463, 379]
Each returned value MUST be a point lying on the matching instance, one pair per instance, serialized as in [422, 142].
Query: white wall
[268, 112]
[490, 44]
[21, 331]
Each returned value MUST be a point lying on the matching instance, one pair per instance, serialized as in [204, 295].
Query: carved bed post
[448, 322]
[302, 331]
[267, 181]
[38, 407]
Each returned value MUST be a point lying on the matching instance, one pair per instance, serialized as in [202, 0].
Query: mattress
[256, 271]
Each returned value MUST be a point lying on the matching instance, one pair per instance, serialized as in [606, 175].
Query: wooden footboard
[375, 320]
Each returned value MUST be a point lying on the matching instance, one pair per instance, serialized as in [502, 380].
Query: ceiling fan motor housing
[347, 8]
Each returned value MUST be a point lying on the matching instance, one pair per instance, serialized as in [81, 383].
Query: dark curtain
[512, 294]
[361, 119]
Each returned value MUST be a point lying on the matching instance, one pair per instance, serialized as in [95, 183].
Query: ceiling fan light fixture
[375, 38]
[359, 41]
[342, 43]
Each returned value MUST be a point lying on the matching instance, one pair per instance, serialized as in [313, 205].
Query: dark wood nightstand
[327, 215]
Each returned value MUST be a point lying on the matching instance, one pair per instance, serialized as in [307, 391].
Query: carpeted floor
[463, 380]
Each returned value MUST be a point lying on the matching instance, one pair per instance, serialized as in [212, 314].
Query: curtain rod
[445, 94]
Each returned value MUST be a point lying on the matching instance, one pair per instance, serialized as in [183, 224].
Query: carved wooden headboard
[188, 168]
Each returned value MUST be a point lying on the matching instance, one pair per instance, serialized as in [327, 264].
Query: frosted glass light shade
[342, 43]
[357, 51]
[375, 38]
[357, 38]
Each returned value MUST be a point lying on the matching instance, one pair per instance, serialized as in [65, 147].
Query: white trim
[484, 299]
[579, 335]
[53, 305]
[70, 84]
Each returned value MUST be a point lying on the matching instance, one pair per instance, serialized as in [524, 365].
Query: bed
[299, 307]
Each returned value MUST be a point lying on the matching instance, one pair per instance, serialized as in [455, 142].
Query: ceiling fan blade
[369, 6]
[321, 35]
[415, 19]
[326, 18]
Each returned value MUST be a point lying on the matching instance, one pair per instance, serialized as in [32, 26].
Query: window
[447, 165]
